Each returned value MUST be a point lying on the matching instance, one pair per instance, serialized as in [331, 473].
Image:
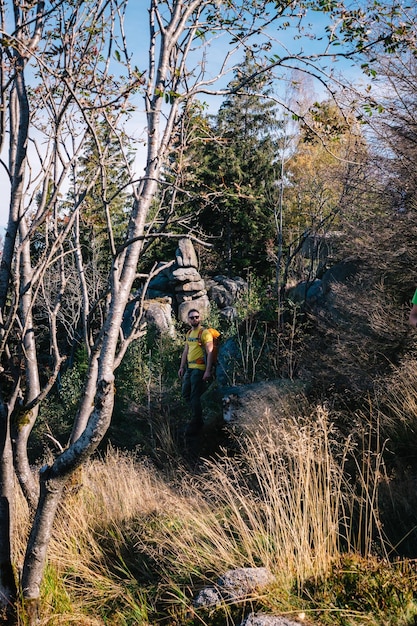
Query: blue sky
[136, 25]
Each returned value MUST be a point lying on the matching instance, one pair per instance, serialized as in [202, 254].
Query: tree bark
[26, 420]
[8, 589]
[52, 482]
[41, 532]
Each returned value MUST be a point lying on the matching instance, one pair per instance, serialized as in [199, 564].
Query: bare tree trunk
[19, 127]
[25, 421]
[52, 481]
[8, 588]
[41, 532]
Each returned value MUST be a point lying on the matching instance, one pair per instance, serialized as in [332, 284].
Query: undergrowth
[134, 546]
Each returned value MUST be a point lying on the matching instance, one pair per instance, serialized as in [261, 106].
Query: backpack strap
[200, 332]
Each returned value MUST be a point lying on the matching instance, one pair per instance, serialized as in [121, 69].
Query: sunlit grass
[131, 546]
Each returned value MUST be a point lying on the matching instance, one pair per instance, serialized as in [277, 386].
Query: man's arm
[412, 320]
[183, 363]
[209, 359]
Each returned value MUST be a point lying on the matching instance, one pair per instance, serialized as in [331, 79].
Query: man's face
[194, 319]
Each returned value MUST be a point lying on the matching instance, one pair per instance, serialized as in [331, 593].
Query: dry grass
[398, 398]
[79, 582]
[127, 542]
[282, 499]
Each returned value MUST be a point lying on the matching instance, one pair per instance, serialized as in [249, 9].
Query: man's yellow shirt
[196, 352]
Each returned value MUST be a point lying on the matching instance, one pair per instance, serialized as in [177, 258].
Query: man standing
[195, 369]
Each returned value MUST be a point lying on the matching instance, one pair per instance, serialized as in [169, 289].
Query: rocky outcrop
[178, 287]
[225, 292]
[316, 292]
[183, 284]
[158, 313]
[185, 254]
[242, 404]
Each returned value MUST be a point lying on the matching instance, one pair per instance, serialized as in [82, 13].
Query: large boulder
[202, 305]
[221, 296]
[189, 296]
[229, 354]
[341, 272]
[196, 286]
[185, 275]
[224, 291]
[306, 292]
[161, 285]
[158, 313]
[243, 404]
[316, 292]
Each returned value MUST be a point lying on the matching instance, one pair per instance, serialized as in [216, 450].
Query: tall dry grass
[80, 582]
[127, 538]
[397, 396]
[281, 503]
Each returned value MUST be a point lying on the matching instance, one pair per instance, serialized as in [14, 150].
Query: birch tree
[56, 86]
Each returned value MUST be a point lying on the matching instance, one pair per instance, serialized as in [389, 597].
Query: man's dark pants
[193, 387]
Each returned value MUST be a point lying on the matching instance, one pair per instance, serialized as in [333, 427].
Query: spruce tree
[233, 159]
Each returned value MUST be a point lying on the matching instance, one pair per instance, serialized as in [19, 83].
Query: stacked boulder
[190, 290]
[181, 283]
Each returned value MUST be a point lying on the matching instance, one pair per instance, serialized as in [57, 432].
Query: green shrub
[358, 590]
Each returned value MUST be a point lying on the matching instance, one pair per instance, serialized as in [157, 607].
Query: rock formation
[183, 284]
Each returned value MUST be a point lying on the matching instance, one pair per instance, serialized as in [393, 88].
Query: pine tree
[231, 172]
